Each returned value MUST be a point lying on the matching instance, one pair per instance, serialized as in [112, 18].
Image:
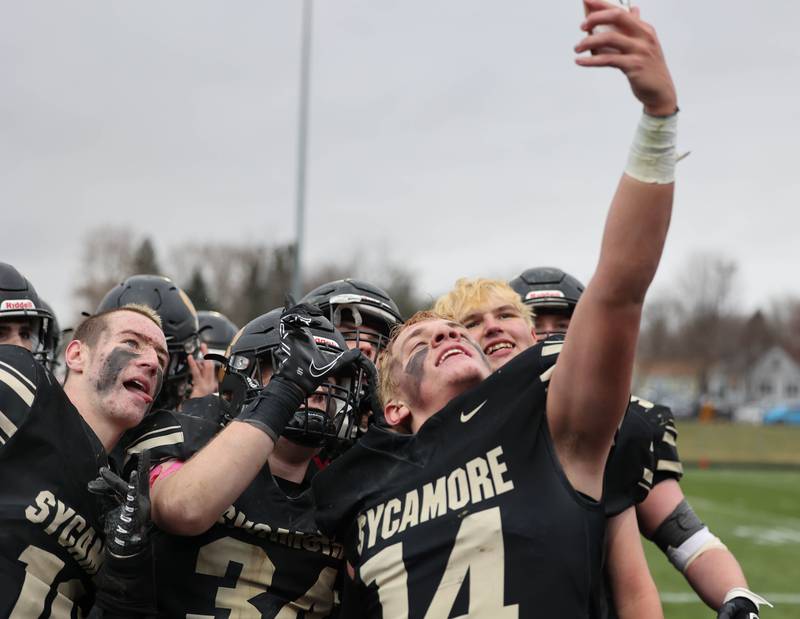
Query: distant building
[774, 379]
[676, 384]
[733, 387]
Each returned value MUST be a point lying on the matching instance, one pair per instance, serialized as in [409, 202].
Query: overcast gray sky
[456, 137]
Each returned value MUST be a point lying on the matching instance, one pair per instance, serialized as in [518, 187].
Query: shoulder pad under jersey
[19, 381]
[665, 439]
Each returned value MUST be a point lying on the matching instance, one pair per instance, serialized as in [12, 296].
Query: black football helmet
[548, 287]
[179, 322]
[52, 339]
[356, 303]
[19, 301]
[256, 350]
[216, 331]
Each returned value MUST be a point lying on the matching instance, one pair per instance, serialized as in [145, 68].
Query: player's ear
[395, 413]
[533, 334]
[75, 356]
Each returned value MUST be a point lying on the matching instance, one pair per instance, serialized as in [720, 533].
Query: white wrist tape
[702, 541]
[652, 158]
[741, 592]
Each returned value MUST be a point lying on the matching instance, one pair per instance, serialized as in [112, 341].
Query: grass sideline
[756, 512]
[721, 443]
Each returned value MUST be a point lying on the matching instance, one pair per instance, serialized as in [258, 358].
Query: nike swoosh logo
[317, 371]
[465, 417]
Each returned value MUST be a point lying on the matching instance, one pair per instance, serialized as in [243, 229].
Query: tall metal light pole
[302, 139]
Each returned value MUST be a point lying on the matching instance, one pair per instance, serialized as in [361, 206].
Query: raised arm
[590, 386]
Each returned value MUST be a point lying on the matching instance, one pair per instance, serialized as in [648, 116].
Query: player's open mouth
[140, 388]
[497, 347]
[451, 352]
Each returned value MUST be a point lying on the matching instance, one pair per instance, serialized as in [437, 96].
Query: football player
[483, 493]
[53, 440]
[180, 327]
[24, 318]
[363, 313]
[232, 498]
[52, 340]
[665, 517]
[216, 333]
[502, 325]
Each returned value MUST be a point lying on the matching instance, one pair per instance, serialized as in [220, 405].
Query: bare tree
[106, 261]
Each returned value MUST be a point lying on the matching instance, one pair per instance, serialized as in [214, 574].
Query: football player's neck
[290, 461]
[101, 423]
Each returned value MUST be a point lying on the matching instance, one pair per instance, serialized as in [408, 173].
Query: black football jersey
[644, 454]
[263, 558]
[51, 539]
[472, 515]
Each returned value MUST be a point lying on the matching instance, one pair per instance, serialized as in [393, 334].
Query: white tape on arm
[702, 541]
[652, 156]
[741, 592]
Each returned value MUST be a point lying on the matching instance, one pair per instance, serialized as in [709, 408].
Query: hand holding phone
[614, 4]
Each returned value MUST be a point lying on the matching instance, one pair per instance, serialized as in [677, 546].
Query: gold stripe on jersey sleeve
[7, 426]
[22, 390]
[551, 349]
[643, 403]
[18, 374]
[669, 439]
[545, 376]
[158, 441]
[670, 465]
[146, 435]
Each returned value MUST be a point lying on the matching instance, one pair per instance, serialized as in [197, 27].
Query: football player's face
[19, 333]
[127, 365]
[501, 331]
[364, 338]
[318, 400]
[549, 323]
[438, 360]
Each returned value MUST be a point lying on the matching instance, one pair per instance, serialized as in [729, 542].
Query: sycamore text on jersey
[236, 518]
[479, 479]
[79, 538]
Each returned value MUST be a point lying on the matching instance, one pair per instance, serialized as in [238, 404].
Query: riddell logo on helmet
[544, 294]
[17, 304]
[326, 342]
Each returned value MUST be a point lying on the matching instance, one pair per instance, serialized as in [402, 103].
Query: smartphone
[625, 4]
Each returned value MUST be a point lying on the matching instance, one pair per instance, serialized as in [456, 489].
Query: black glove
[302, 368]
[126, 580]
[738, 608]
[741, 603]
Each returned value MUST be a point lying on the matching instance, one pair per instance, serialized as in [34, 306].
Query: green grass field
[757, 514]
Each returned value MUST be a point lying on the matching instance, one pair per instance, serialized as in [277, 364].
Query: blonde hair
[388, 363]
[469, 295]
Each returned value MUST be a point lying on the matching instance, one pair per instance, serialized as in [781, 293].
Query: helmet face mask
[361, 311]
[358, 326]
[327, 415]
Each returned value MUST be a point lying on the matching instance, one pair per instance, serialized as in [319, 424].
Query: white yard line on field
[689, 598]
